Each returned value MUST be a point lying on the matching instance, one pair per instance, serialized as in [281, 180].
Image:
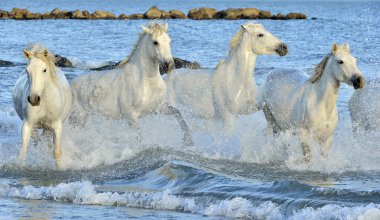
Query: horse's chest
[151, 95]
[324, 123]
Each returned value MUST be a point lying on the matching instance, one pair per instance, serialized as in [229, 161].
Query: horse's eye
[340, 61]
[44, 70]
[260, 35]
[155, 43]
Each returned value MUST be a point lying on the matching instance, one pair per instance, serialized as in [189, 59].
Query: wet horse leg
[170, 110]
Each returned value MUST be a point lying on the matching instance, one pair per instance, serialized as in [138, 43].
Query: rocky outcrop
[153, 13]
[136, 16]
[294, 15]
[4, 63]
[201, 13]
[265, 14]
[4, 14]
[238, 13]
[177, 14]
[61, 61]
[99, 14]
[178, 63]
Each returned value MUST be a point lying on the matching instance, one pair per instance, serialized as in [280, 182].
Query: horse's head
[158, 45]
[39, 69]
[344, 67]
[264, 42]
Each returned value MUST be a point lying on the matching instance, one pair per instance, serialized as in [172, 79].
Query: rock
[136, 16]
[102, 15]
[177, 14]
[56, 13]
[4, 63]
[295, 15]
[179, 63]
[78, 14]
[250, 13]
[47, 16]
[153, 13]
[108, 66]
[61, 61]
[201, 13]
[165, 15]
[238, 13]
[19, 13]
[4, 14]
[279, 16]
[124, 16]
[265, 14]
[30, 16]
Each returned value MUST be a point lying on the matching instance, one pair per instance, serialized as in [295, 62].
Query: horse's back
[364, 107]
[282, 81]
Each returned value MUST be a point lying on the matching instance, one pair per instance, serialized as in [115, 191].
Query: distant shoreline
[153, 13]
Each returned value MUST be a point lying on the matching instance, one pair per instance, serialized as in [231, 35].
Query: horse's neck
[242, 61]
[327, 90]
[146, 67]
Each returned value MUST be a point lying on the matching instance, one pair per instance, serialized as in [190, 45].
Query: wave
[86, 193]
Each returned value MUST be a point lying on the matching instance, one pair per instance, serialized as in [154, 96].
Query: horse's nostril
[38, 98]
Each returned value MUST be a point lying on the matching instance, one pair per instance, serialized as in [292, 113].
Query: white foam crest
[368, 212]
[85, 193]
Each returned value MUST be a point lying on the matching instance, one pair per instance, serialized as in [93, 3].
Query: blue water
[246, 174]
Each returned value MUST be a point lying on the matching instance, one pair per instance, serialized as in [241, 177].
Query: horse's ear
[27, 54]
[243, 27]
[146, 30]
[166, 26]
[46, 53]
[334, 48]
[347, 46]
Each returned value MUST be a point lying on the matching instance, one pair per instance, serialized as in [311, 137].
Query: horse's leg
[25, 132]
[304, 138]
[170, 110]
[228, 120]
[270, 119]
[326, 146]
[35, 136]
[133, 122]
[57, 137]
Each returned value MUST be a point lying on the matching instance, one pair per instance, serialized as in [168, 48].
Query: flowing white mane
[41, 52]
[238, 36]
[319, 69]
[157, 30]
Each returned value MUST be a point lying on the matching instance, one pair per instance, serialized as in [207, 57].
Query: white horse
[230, 89]
[364, 107]
[133, 90]
[42, 98]
[292, 100]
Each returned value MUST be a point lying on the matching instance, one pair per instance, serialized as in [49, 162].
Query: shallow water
[245, 174]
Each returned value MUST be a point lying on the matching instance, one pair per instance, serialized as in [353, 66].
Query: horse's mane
[319, 69]
[237, 37]
[157, 29]
[38, 51]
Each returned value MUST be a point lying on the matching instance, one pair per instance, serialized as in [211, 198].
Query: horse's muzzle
[34, 100]
[357, 81]
[282, 49]
[166, 67]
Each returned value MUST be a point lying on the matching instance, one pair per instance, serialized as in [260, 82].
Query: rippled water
[246, 174]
